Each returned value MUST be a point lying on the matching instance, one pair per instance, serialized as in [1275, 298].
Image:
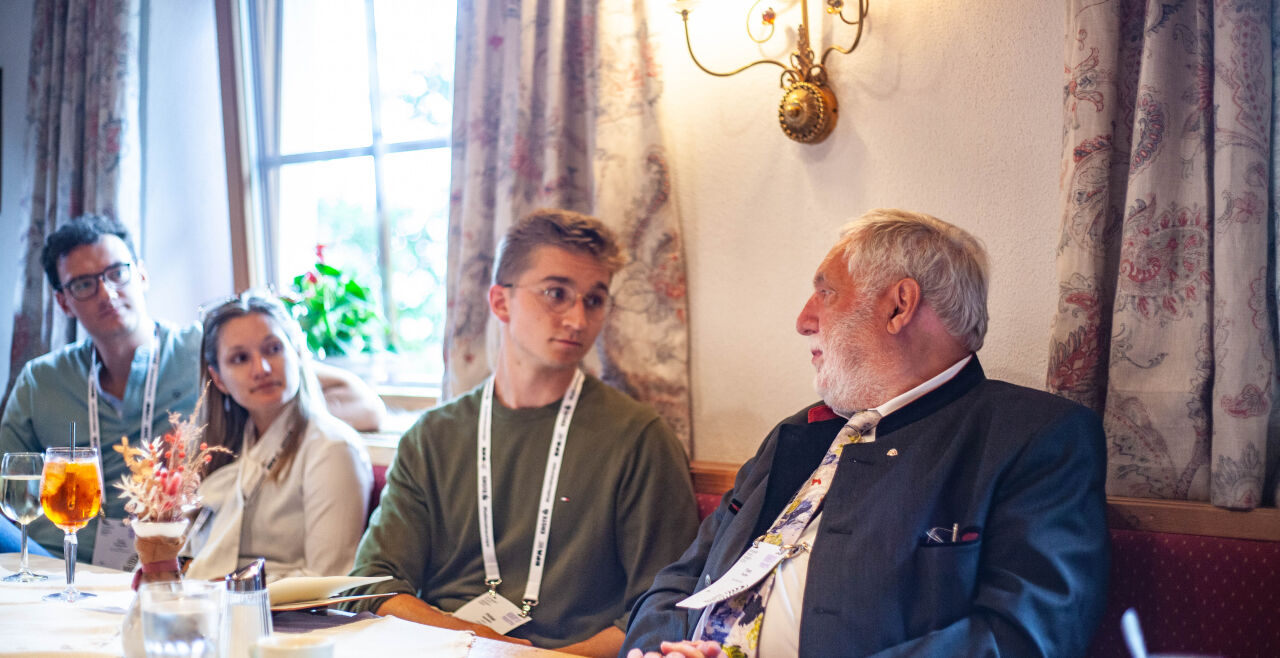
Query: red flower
[319, 253]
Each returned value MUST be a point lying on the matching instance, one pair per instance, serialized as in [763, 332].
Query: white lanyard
[555, 455]
[148, 395]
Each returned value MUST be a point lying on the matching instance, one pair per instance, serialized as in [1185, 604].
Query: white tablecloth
[91, 627]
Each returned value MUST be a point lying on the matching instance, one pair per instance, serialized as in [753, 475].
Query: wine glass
[71, 495]
[20, 501]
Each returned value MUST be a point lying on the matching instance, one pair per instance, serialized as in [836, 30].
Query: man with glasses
[123, 379]
[576, 477]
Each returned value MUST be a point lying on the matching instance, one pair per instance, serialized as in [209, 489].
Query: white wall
[15, 50]
[948, 108]
[185, 240]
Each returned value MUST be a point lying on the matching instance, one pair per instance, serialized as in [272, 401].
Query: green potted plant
[337, 314]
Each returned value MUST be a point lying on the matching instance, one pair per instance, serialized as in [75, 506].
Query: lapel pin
[893, 452]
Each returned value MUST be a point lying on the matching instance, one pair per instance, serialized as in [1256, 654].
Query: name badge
[493, 610]
[750, 569]
[113, 545]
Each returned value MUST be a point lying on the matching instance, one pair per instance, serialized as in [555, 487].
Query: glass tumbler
[183, 619]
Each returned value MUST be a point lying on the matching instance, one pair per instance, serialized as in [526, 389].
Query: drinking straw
[73, 437]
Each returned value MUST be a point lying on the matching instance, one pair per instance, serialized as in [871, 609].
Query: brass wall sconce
[808, 110]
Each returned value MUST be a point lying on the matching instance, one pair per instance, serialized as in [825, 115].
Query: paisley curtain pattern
[1166, 305]
[82, 146]
[554, 105]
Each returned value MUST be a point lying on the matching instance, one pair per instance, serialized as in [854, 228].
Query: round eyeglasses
[560, 297]
[86, 286]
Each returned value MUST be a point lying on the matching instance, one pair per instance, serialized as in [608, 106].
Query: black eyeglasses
[560, 297]
[86, 286]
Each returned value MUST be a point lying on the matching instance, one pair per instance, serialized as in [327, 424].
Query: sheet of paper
[392, 636]
[113, 547]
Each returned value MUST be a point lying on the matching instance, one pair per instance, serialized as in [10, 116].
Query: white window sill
[405, 404]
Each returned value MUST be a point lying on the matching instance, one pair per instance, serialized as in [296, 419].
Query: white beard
[852, 391]
[850, 378]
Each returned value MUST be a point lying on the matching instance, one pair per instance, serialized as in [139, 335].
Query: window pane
[329, 203]
[324, 88]
[325, 106]
[417, 201]
[415, 67]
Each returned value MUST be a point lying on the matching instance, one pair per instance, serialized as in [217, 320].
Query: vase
[156, 543]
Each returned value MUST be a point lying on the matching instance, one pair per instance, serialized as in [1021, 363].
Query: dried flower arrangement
[165, 472]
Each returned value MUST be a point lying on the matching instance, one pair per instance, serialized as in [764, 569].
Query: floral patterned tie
[735, 622]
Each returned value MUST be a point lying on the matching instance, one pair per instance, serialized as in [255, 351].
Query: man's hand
[605, 644]
[686, 649]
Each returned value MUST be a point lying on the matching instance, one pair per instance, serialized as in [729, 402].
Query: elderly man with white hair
[921, 509]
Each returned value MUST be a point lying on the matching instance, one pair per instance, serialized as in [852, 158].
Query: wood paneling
[1192, 518]
[713, 477]
[1152, 515]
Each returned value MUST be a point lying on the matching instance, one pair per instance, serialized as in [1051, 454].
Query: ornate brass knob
[808, 112]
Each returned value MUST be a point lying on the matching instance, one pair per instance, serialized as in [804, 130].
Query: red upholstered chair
[375, 495]
[1203, 595]
[707, 503]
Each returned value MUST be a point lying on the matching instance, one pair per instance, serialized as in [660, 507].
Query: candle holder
[808, 111]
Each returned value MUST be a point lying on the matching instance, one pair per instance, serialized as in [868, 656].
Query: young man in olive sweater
[622, 477]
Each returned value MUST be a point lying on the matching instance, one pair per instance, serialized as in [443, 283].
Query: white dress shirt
[780, 628]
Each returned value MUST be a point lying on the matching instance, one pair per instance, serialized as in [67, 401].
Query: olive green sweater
[624, 509]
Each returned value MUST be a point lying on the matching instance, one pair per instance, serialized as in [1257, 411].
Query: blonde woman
[295, 488]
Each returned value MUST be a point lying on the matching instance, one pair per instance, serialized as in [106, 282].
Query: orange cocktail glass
[71, 495]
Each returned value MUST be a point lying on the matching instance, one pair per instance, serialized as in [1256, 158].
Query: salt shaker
[248, 608]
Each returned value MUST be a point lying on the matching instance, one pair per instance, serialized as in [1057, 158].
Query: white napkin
[50, 628]
[102, 584]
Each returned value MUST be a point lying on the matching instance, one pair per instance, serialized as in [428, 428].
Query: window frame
[252, 177]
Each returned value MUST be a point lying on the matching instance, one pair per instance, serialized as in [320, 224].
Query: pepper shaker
[248, 608]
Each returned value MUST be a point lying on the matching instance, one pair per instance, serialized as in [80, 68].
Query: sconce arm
[751, 36]
[863, 5]
[684, 13]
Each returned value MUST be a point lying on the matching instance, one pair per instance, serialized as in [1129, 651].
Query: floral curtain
[82, 147]
[1166, 304]
[554, 105]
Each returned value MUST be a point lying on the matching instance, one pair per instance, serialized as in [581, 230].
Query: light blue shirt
[51, 392]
